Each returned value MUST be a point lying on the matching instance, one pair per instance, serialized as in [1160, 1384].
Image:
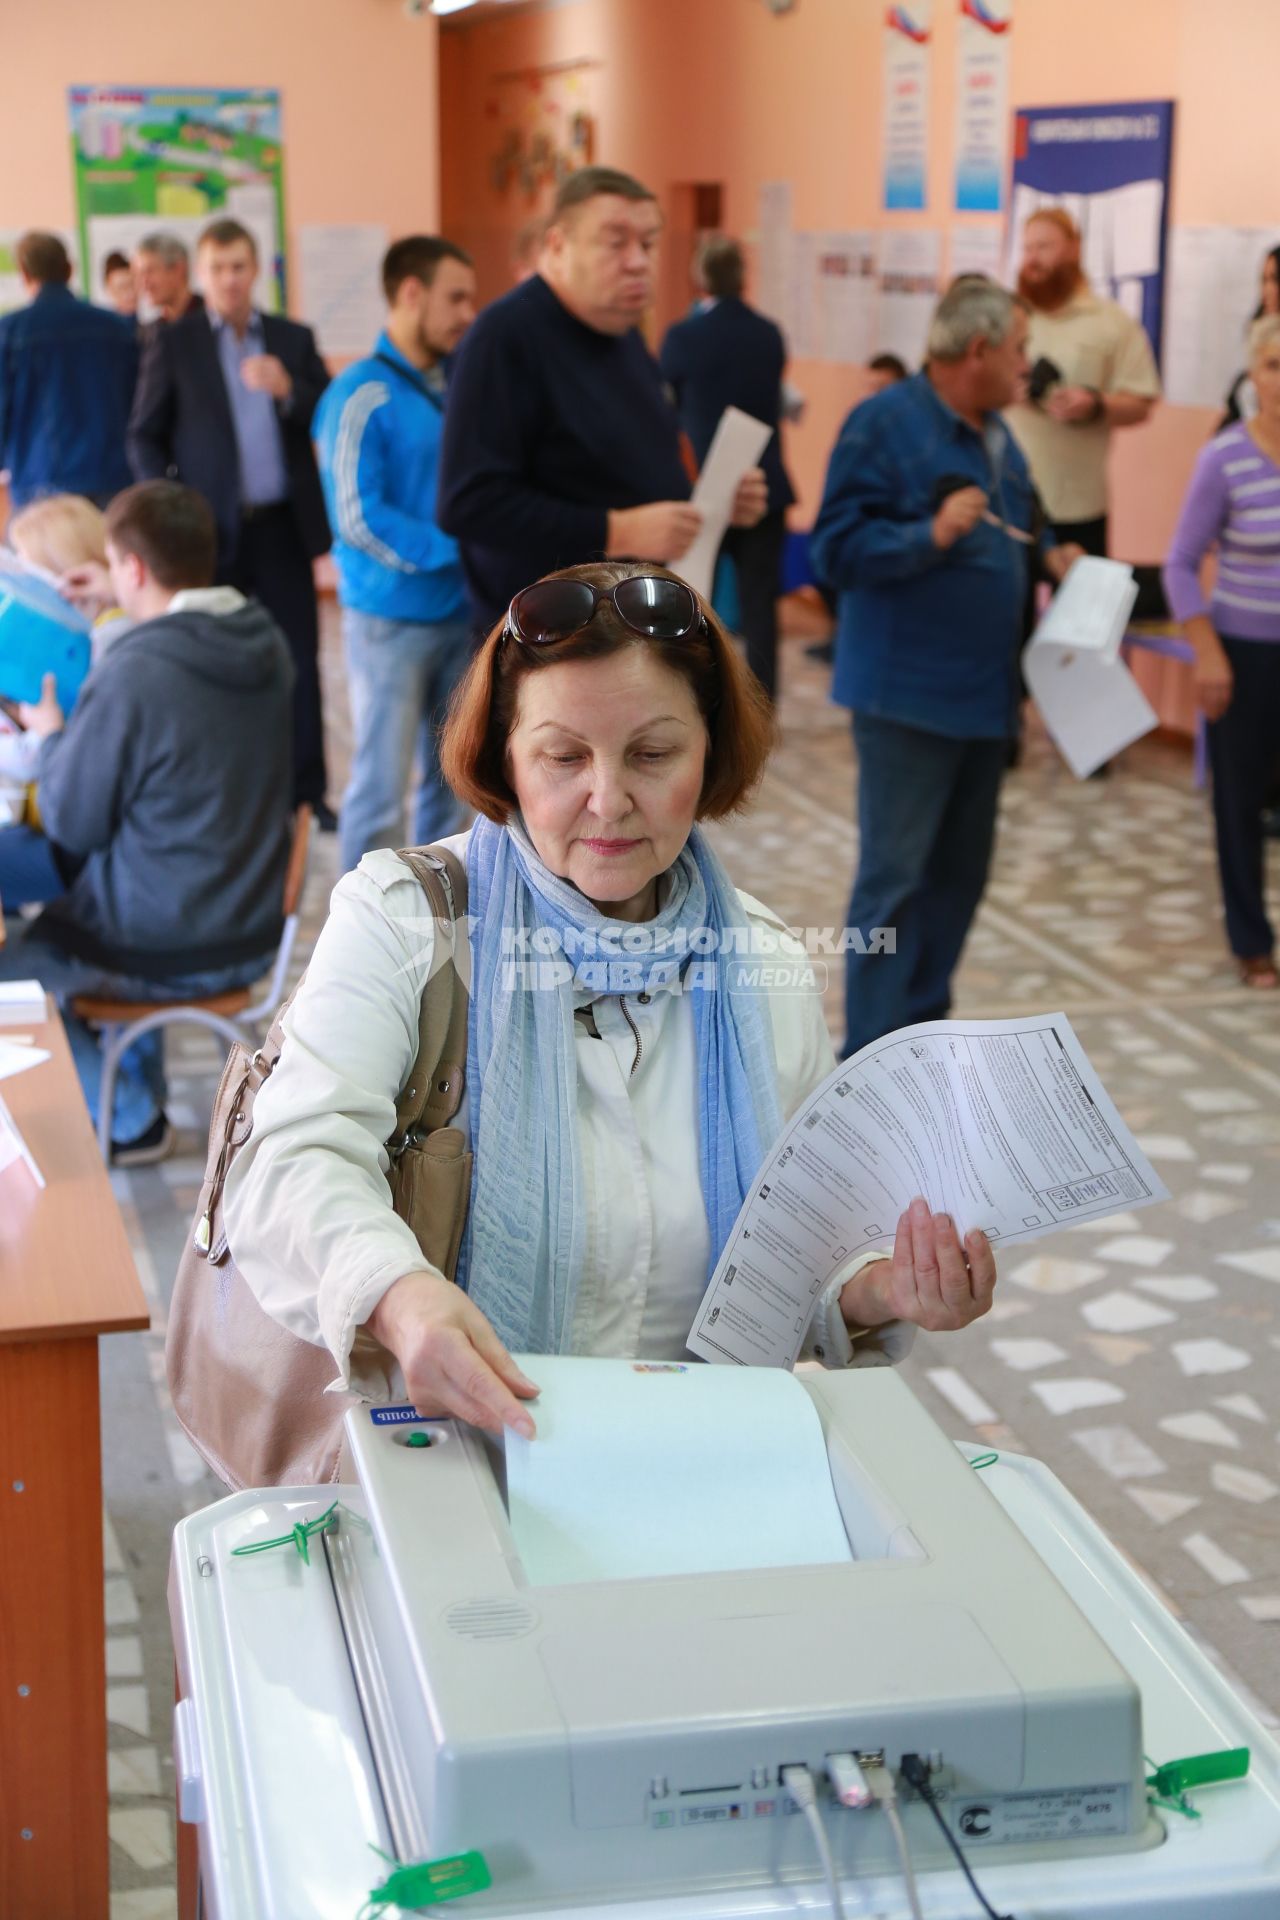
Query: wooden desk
[66, 1276]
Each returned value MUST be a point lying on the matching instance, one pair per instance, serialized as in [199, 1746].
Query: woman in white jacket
[626, 1073]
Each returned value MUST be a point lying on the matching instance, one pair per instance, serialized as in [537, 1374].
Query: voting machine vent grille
[498, 1619]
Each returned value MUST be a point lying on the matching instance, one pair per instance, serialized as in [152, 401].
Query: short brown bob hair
[739, 719]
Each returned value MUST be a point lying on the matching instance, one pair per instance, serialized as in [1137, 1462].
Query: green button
[418, 1440]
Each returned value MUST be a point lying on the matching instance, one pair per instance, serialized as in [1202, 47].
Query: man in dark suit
[224, 404]
[728, 355]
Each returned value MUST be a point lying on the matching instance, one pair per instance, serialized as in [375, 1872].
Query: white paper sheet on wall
[975, 250]
[773, 259]
[1003, 1124]
[846, 290]
[641, 1469]
[342, 286]
[1211, 293]
[800, 327]
[910, 267]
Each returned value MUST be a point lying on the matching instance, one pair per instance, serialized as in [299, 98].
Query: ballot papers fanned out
[738, 444]
[645, 1468]
[1003, 1124]
[1088, 699]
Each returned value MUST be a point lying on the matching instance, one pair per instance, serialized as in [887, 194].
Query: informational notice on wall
[1214, 278]
[1108, 167]
[341, 273]
[176, 158]
[982, 103]
[773, 256]
[910, 267]
[975, 249]
[846, 266]
[908, 53]
[1003, 1124]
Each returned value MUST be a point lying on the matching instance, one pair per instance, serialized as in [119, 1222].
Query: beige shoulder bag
[249, 1394]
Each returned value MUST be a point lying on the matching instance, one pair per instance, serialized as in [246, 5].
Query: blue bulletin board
[1109, 167]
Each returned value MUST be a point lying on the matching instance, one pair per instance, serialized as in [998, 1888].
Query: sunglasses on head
[647, 604]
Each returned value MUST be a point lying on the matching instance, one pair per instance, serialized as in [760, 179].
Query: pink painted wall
[720, 90]
[357, 80]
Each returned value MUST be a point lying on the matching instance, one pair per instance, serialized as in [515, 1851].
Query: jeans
[401, 674]
[1244, 753]
[927, 820]
[140, 1083]
[29, 873]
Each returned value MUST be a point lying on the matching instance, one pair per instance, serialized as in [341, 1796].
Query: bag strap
[433, 1092]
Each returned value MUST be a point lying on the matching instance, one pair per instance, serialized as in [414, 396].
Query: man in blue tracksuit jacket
[406, 634]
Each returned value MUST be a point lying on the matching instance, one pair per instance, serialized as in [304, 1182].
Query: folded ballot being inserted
[1089, 701]
[1003, 1124]
[643, 1468]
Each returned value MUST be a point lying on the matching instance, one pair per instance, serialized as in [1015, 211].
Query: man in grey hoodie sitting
[172, 782]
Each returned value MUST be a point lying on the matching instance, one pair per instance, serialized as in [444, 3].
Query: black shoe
[324, 816]
[823, 650]
[149, 1148]
[1271, 823]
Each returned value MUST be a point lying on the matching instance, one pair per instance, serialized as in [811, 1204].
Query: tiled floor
[1140, 1358]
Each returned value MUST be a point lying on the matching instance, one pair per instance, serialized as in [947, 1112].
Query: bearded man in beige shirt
[1104, 378]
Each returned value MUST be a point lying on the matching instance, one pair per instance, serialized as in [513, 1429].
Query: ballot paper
[1003, 1124]
[1089, 701]
[13, 1147]
[739, 441]
[16, 1058]
[644, 1468]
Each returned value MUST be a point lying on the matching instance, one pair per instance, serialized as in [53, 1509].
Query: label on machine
[1015, 1818]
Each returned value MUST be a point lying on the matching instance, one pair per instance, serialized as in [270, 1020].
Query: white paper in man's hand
[1089, 701]
[738, 444]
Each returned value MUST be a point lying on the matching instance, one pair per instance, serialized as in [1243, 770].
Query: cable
[916, 1774]
[885, 1795]
[802, 1787]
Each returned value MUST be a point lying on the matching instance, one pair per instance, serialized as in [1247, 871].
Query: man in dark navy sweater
[560, 444]
[728, 355]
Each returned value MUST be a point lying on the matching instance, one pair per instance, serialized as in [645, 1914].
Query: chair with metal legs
[235, 1016]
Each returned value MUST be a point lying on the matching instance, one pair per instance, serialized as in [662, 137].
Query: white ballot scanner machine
[406, 1692]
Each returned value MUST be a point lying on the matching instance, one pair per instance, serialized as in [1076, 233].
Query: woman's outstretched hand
[452, 1360]
[933, 1281]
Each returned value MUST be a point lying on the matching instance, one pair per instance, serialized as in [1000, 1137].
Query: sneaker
[324, 816]
[156, 1144]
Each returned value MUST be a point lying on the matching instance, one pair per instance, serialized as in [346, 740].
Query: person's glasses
[648, 604]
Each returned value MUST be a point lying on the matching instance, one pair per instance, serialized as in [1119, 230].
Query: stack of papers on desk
[1088, 699]
[22, 1003]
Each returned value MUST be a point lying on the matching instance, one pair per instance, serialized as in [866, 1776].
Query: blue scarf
[535, 940]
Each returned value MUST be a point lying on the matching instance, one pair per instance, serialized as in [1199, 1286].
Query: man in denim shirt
[928, 524]
[66, 382]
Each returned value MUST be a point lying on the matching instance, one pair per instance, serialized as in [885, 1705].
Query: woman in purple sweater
[1233, 504]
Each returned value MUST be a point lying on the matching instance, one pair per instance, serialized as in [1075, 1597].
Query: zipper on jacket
[622, 1002]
